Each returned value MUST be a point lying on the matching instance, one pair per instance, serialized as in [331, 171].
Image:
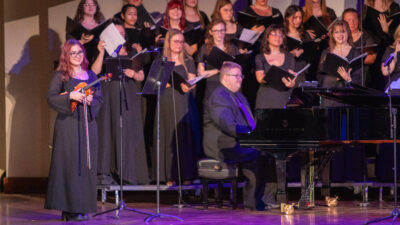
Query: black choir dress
[322, 45]
[348, 162]
[191, 25]
[236, 35]
[276, 14]
[134, 163]
[371, 24]
[188, 131]
[71, 185]
[328, 80]
[195, 24]
[267, 96]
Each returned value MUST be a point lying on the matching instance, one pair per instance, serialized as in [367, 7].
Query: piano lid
[355, 95]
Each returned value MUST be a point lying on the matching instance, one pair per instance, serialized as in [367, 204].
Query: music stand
[159, 74]
[116, 65]
[393, 133]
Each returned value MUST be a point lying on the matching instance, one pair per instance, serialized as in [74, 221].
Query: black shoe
[66, 216]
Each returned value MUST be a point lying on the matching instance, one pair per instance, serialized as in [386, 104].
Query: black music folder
[309, 47]
[76, 29]
[333, 62]
[275, 74]
[181, 78]
[217, 57]
[133, 36]
[316, 25]
[248, 21]
[194, 35]
[163, 31]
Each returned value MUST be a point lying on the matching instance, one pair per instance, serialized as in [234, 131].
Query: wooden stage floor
[28, 209]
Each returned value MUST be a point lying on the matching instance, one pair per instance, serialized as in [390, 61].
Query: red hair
[65, 65]
[172, 5]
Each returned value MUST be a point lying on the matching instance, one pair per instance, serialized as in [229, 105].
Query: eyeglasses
[177, 42]
[89, 5]
[76, 54]
[227, 10]
[235, 75]
[276, 34]
[219, 31]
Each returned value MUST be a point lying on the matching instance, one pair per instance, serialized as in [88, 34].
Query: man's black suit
[223, 119]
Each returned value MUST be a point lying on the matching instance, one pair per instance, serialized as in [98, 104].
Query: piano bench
[218, 171]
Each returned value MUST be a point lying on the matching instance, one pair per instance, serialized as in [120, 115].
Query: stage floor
[28, 209]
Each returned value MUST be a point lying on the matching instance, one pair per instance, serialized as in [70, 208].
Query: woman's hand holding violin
[78, 96]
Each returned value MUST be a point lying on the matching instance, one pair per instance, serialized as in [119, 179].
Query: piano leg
[281, 180]
[307, 183]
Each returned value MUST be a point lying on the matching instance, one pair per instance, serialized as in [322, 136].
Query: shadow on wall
[26, 81]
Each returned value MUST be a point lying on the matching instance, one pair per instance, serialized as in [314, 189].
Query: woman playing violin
[72, 182]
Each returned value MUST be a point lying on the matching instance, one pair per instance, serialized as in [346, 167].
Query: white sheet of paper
[249, 36]
[112, 38]
[196, 79]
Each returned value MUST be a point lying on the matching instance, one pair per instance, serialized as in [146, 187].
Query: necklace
[264, 8]
[79, 70]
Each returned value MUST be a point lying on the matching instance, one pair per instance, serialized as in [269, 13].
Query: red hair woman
[72, 185]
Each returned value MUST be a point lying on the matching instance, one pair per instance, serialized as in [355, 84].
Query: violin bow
[85, 112]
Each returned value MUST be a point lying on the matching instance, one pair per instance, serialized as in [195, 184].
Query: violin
[86, 89]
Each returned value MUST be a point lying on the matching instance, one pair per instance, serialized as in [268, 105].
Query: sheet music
[112, 37]
[249, 36]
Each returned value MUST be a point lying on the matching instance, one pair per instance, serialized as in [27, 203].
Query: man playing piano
[226, 114]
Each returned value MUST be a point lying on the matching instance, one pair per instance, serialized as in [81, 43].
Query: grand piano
[284, 132]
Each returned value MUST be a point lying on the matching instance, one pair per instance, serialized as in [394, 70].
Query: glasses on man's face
[89, 5]
[236, 75]
[76, 54]
[219, 31]
[276, 34]
[177, 42]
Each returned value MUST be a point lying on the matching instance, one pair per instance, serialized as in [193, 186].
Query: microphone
[115, 53]
[389, 60]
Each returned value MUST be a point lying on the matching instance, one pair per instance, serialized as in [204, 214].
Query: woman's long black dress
[71, 185]
[348, 164]
[134, 161]
[188, 131]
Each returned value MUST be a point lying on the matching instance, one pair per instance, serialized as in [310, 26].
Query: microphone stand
[121, 203]
[393, 130]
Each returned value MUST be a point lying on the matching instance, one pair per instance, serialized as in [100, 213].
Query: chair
[218, 171]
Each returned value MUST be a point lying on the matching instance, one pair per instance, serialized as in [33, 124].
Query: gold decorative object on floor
[331, 202]
[288, 209]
